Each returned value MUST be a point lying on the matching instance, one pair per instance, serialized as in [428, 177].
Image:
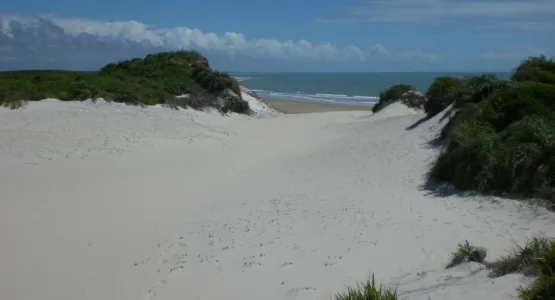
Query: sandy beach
[297, 107]
[109, 201]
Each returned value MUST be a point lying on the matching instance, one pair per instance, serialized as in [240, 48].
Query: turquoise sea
[345, 88]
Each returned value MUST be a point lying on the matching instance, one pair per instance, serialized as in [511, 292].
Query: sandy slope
[107, 201]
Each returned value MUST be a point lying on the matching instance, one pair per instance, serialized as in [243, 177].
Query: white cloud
[440, 10]
[231, 43]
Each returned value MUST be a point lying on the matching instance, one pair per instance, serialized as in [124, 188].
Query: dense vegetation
[155, 79]
[500, 137]
[501, 140]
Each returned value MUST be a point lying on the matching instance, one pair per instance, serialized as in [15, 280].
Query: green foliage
[469, 99]
[441, 94]
[512, 104]
[467, 252]
[467, 156]
[501, 140]
[536, 259]
[367, 291]
[528, 260]
[392, 94]
[537, 69]
[519, 160]
[544, 286]
[156, 79]
[234, 104]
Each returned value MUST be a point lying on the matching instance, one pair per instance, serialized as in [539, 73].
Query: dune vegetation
[500, 137]
[499, 140]
[391, 94]
[155, 79]
[535, 259]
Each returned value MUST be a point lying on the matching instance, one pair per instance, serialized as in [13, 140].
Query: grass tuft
[465, 253]
[526, 260]
[367, 291]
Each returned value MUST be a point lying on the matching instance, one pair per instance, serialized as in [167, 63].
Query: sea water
[343, 88]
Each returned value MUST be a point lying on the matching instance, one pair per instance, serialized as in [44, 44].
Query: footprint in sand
[287, 264]
[296, 291]
[249, 264]
[150, 294]
[332, 261]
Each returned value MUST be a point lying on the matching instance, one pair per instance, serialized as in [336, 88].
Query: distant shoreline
[303, 107]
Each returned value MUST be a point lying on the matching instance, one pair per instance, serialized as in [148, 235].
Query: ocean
[343, 88]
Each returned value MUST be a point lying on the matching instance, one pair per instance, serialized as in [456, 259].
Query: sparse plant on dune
[465, 253]
[536, 259]
[367, 291]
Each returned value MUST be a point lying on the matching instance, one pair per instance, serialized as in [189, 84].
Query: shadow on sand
[417, 123]
[442, 189]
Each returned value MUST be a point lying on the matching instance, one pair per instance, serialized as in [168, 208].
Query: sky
[323, 35]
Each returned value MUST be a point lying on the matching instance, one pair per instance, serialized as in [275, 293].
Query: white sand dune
[259, 108]
[108, 201]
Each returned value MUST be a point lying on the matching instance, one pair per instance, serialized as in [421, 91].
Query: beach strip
[299, 107]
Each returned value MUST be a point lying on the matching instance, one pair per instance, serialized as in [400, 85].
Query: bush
[467, 156]
[414, 100]
[518, 161]
[441, 94]
[518, 101]
[537, 69]
[391, 94]
[157, 78]
[501, 140]
[469, 99]
[232, 103]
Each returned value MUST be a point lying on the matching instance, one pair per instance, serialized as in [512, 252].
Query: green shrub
[468, 156]
[157, 78]
[526, 260]
[392, 94]
[234, 104]
[501, 138]
[517, 161]
[441, 94]
[414, 100]
[470, 98]
[537, 69]
[512, 104]
[544, 286]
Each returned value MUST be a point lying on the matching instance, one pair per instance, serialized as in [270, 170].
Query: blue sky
[450, 35]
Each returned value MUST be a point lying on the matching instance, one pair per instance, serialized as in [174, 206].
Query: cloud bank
[230, 43]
